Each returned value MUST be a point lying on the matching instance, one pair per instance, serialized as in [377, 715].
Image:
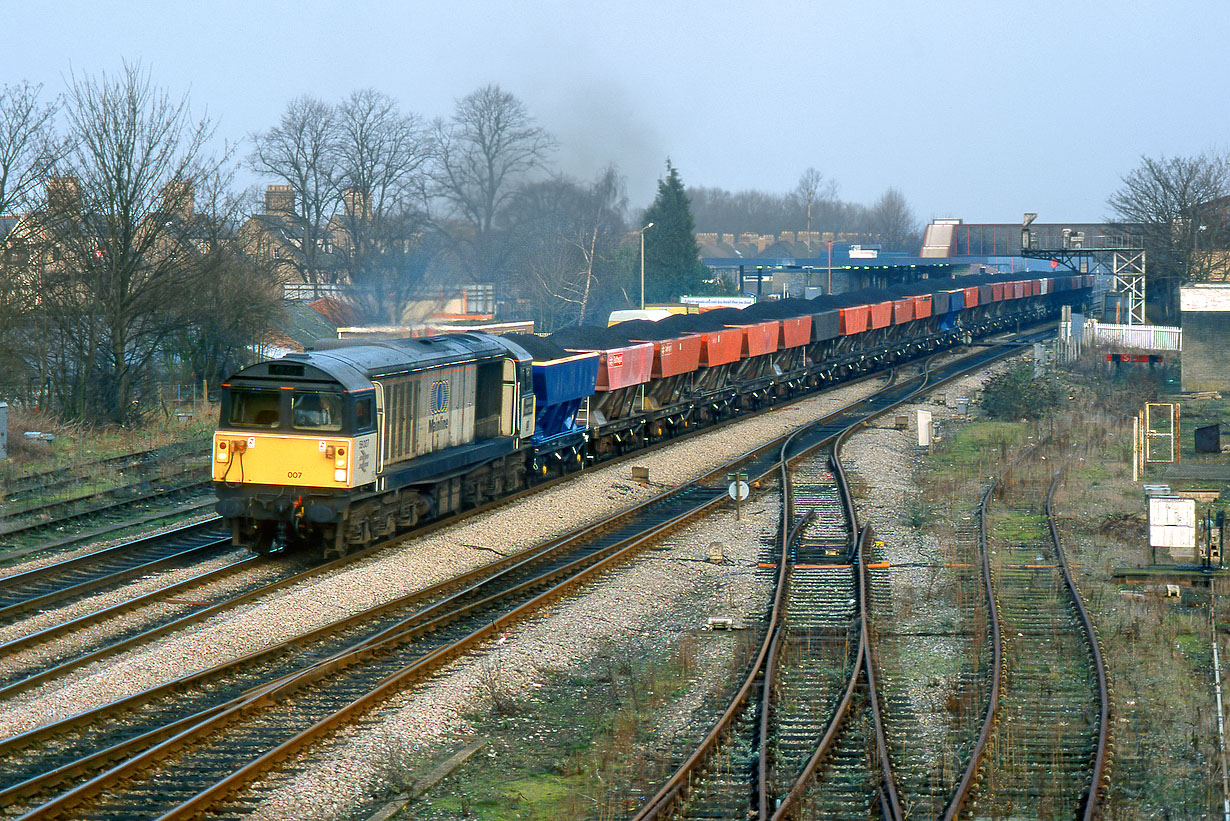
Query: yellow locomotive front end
[288, 458]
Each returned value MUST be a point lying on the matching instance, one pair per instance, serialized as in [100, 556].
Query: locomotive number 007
[294, 474]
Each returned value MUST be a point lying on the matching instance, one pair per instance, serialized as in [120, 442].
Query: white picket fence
[1079, 334]
[1153, 338]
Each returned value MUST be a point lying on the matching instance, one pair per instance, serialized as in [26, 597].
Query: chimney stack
[64, 194]
[280, 201]
[357, 204]
[177, 199]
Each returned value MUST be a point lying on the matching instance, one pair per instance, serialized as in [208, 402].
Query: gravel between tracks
[650, 602]
[92, 604]
[653, 599]
[416, 563]
[888, 463]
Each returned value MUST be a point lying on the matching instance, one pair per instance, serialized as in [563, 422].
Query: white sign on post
[924, 428]
[1172, 522]
[738, 491]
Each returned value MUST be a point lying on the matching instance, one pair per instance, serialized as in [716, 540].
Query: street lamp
[829, 243]
[642, 232]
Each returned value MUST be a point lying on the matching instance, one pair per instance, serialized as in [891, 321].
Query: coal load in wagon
[589, 338]
[652, 330]
[717, 319]
[541, 348]
[867, 296]
[780, 309]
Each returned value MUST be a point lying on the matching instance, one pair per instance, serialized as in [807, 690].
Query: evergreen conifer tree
[672, 257]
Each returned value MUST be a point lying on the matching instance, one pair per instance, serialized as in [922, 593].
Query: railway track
[240, 727]
[40, 656]
[25, 593]
[820, 752]
[1043, 750]
[931, 665]
[35, 659]
[27, 531]
[804, 732]
[810, 708]
[333, 668]
[61, 481]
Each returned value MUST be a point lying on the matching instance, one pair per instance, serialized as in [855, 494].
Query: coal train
[348, 443]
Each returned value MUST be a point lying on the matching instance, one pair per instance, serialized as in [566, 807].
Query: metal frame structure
[1125, 264]
[1128, 276]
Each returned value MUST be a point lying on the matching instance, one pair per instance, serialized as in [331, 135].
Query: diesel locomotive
[345, 445]
[348, 443]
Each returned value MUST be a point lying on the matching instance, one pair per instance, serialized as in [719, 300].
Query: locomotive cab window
[254, 409]
[364, 419]
[316, 411]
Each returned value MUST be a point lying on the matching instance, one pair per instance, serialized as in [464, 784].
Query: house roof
[301, 326]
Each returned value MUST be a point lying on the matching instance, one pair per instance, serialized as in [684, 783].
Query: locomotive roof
[355, 366]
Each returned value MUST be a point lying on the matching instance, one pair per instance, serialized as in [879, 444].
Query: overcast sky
[979, 110]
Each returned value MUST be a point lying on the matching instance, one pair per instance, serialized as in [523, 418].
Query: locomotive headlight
[341, 459]
[339, 475]
[223, 455]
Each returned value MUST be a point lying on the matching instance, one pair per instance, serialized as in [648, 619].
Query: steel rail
[40, 602]
[888, 792]
[94, 717]
[790, 802]
[1093, 802]
[969, 777]
[519, 610]
[58, 477]
[85, 536]
[670, 794]
[34, 736]
[120, 494]
[199, 615]
[7, 533]
[673, 791]
[784, 566]
[469, 581]
[966, 785]
[287, 686]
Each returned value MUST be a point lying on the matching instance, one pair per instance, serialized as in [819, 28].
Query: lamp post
[829, 243]
[642, 232]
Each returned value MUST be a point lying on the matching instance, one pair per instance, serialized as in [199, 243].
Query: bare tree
[811, 190]
[716, 209]
[489, 146]
[1179, 207]
[382, 161]
[236, 297]
[302, 152]
[28, 149]
[599, 224]
[893, 222]
[28, 145]
[122, 251]
[568, 243]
